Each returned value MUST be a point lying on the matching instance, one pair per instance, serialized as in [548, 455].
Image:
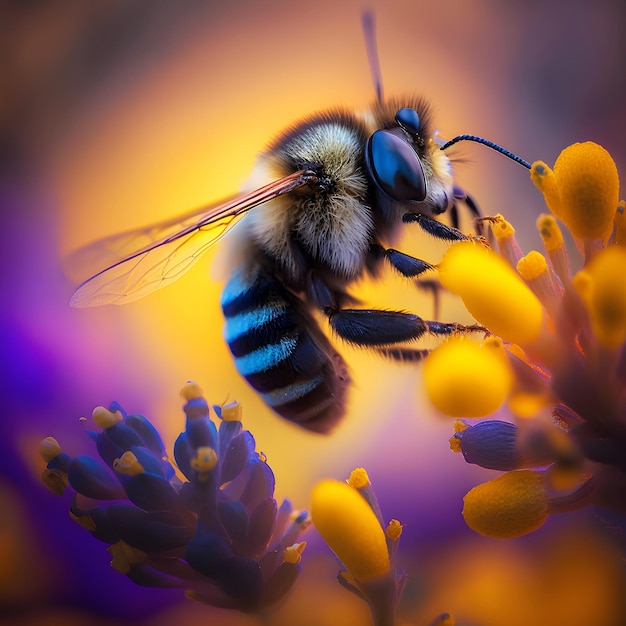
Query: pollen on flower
[125, 557]
[351, 529]
[492, 292]
[232, 412]
[358, 478]
[554, 244]
[504, 233]
[105, 418]
[205, 459]
[532, 266]
[49, 448]
[544, 179]
[191, 391]
[393, 530]
[128, 464]
[502, 228]
[465, 379]
[550, 232]
[455, 443]
[459, 426]
[538, 275]
[511, 505]
[293, 554]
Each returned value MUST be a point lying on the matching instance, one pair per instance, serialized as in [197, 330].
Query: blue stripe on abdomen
[247, 321]
[292, 392]
[265, 358]
[282, 353]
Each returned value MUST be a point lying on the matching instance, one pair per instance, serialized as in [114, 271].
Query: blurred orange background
[114, 115]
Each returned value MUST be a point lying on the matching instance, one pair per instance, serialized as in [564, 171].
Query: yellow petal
[511, 505]
[465, 379]
[349, 526]
[492, 292]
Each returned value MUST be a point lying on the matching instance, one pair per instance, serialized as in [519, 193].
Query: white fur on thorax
[334, 230]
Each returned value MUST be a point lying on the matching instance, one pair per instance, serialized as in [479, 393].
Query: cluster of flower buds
[214, 529]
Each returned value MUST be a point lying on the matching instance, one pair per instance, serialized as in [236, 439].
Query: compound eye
[409, 120]
[395, 167]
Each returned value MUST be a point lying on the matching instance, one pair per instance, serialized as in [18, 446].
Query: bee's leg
[471, 204]
[454, 215]
[435, 288]
[408, 266]
[404, 355]
[405, 264]
[434, 228]
[372, 327]
[459, 194]
[375, 328]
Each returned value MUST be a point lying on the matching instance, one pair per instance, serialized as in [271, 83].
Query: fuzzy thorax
[333, 225]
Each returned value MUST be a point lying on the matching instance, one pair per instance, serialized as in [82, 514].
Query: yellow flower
[582, 190]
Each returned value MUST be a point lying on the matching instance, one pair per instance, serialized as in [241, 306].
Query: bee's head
[392, 161]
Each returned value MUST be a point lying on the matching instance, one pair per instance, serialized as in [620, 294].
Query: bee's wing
[146, 259]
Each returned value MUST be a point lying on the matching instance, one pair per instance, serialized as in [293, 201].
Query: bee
[342, 186]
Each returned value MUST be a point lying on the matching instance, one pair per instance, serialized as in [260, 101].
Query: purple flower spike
[220, 534]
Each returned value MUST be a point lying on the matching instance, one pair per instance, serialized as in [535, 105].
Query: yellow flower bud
[349, 526]
[232, 412]
[128, 464]
[293, 554]
[125, 557]
[501, 228]
[602, 288]
[205, 459]
[550, 232]
[359, 479]
[532, 266]
[393, 530]
[465, 379]
[583, 189]
[511, 505]
[545, 180]
[492, 292]
[191, 391]
[49, 448]
[105, 418]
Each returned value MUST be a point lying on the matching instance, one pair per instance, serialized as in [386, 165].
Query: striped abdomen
[280, 350]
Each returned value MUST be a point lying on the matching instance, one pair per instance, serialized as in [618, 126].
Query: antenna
[368, 24]
[489, 144]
